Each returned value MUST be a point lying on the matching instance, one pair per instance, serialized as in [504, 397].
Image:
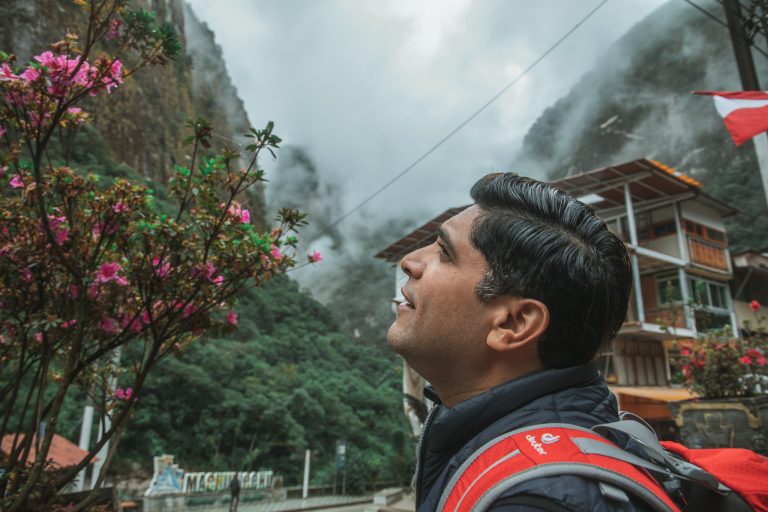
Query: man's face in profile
[441, 323]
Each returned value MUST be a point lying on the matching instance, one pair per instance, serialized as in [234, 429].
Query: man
[234, 490]
[504, 314]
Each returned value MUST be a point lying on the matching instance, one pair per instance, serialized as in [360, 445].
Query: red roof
[62, 453]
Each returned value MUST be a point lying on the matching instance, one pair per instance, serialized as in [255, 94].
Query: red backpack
[666, 476]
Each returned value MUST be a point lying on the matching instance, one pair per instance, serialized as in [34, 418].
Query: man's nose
[413, 264]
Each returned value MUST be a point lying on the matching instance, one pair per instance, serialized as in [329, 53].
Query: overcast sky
[367, 86]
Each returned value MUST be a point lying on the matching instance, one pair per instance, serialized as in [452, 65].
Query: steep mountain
[638, 103]
[141, 125]
[291, 378]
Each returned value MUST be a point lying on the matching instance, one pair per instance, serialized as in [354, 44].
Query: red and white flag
[745, 113]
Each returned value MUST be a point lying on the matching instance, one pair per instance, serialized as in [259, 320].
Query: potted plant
[731, 378]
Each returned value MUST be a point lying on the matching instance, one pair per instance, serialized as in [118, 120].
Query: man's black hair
[542, 243]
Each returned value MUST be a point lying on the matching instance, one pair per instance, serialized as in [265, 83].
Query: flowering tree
[87, 268]
[717, 366]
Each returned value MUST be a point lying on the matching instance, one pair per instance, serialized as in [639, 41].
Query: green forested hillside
[285, 382]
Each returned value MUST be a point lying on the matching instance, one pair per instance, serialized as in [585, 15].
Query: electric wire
[465, 122]
[721, 22]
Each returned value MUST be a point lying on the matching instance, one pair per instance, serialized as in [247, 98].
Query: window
[669, 290]
[705, 232]
[708, 294]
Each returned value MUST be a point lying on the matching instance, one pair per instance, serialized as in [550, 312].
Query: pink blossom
[61, 236]
[128, 393]
[314, 257]
[74, 291]
[162, 268]
[761, 360]
[218, 280]
[39, 337]
[120, 208]
[754, 306]
[190, 309]
[120, 394]
[46, 58]
[115, 77]
[245, 216]
[109, 326]
[55, 222]
[232, 318]
[109, 272]
[145, 318]
[275, 252]
[30, 74]
[93, 291]
[16, 182]
[745, 360]
[6, 73]
[114, 29]
[26, 274]
[66, 324]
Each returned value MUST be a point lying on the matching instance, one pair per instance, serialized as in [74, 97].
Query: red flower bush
[717, 366]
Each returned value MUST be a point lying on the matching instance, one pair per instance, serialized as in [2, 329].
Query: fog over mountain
[366, 87]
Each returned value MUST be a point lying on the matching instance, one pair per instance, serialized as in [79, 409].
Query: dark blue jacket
[577, 395]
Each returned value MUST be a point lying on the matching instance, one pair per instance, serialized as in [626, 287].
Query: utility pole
[742, 41]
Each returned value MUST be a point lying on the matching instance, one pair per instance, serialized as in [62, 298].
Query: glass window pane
[669, 290]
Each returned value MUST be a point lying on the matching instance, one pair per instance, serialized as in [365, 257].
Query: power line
[721, 22]
[467, 121]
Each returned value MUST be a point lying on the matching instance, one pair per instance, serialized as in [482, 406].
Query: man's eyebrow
[446, 239]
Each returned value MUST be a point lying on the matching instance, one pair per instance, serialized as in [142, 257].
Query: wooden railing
[706, 253]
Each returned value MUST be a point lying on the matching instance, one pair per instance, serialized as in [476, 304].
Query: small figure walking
[234, 489]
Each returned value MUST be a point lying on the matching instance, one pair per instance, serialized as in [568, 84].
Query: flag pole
[761, 148]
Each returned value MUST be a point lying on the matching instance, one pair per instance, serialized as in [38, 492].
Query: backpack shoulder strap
[545, 451]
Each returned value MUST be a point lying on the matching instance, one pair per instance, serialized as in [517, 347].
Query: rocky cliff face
[141, 123]
[638, 103]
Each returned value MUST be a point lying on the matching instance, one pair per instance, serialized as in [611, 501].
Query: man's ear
[517, 322]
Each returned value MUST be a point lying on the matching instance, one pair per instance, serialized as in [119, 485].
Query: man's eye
[443, 252]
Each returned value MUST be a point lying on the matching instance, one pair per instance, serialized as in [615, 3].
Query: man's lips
[406, 301]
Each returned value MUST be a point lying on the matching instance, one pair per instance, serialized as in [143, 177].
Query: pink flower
[162, 268]
[46, 59]
[128, 393]
[232, 318]
[66, 324]
[30, 74]
[109, 272]
[39, 337]
[26, 275]
[245, 216]
[190, 309]
[16, 182]
[745, 360]
[74, 291]
[120, 394]
[275, 252]
[761, 360]
[61, 236]
[6, 73]
[754, 306]
[314, 257]
[145, 317]
[685, 352]
[55, 222]
[120, 208]
[115, 77]
[218, 280]
[109, 326]
[114, 29]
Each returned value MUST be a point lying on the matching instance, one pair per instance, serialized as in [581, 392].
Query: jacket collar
[454, 426]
